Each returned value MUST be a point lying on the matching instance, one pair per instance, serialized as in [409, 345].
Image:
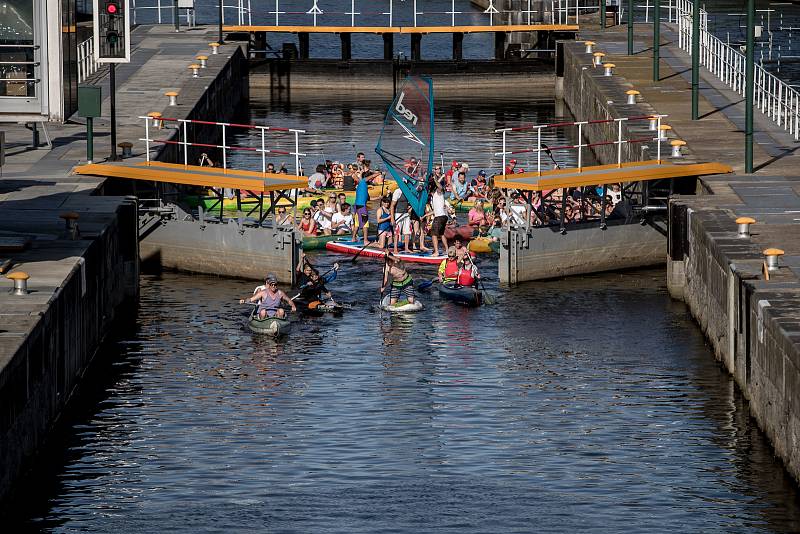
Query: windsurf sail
[406, 141]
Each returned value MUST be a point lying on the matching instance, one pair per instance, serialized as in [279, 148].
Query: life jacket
[465, 277]
[450, 270]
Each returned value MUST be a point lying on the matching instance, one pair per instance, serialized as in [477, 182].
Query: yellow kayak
[483, 245]
[303, 200]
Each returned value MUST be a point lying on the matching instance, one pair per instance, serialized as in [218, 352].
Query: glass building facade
[38, 59]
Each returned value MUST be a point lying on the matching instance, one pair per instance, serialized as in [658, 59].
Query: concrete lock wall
[65, 320]
[210, 246]
[543, 252]
[752, 324]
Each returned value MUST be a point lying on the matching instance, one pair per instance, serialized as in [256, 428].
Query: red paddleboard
[352, 247]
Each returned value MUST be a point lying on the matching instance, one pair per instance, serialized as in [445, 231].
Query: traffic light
[111, 31]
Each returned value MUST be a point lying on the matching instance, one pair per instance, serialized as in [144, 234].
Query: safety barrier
[655, 125]
[773, 97]
[181, 129]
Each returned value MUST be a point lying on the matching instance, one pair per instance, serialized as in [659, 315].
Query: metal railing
[620, 141]
[86, 63]
[555, 12]
[162, 12]
[773, 97]
[180, 127]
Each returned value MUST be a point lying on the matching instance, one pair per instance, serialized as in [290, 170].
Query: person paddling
[467, 272]
[402, 283]
[269, 300]
[448, 269]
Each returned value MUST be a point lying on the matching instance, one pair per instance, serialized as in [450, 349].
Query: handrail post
[297, 170]
[147, 139]
[185, 143]
[263, 152]
[224, 152]
[580, 147]
[504, 153]
[539, 150]
[658, 140]
[619, 142]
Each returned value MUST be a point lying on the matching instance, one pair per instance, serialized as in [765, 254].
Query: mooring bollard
[156, 116]
[20, 282]
[598, 58]
[589, 46]
[214, 48]
[632, 94]
[127, 149]
[203, 61]
[653, 122]
[662, 131]
[771, 255]
[173, 97]
[744, 226]
[71, 223]
[609, 68]
[195, 68]
[677, 144]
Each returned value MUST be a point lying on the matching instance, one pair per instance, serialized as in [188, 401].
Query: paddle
[425, 284]
[365, 246]
[488, 299]
[550, 154]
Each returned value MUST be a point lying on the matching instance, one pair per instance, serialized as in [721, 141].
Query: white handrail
[86, 63]
[772, 96]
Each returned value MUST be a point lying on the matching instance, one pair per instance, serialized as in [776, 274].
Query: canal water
[584, 404]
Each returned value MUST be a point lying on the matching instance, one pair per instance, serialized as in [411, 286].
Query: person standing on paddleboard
[402, 283]
[361, 212]
[439, 217]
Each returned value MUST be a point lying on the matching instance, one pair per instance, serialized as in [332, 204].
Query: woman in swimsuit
[384, 215]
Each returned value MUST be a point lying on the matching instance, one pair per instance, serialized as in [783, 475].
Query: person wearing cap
[480, 189]
[511, 166]
[269, 300]
[448, 269]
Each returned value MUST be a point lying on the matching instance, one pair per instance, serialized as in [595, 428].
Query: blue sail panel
[406, 143]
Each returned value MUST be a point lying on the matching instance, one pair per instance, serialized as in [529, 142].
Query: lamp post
[657, 38]
[696, 60]
[749, 87]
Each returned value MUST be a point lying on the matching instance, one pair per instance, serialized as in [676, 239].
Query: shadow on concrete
[717, 110]
[787, 152]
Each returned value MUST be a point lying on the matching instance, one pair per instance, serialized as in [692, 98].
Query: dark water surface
[590, 403]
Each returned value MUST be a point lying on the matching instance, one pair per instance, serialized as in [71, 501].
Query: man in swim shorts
[402, 283]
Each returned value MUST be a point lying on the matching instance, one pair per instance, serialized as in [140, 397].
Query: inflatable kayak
[483, 245]
[270, 326]
[465, 232]
[353, 247]
[303, 199]
[401, 305]
[319, 308]
[318, 242]
[464, 295]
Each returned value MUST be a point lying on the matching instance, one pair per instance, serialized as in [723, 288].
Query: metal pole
[695, 60]
[219, 38]
[89, 141]
[175, 16]
[657, 38]
[630, 27]
[112, 82]
[603, 14]
[749, 87]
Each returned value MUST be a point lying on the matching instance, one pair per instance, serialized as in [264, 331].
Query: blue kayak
[464, 295]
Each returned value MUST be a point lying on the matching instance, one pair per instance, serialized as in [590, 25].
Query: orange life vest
[451, 270]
